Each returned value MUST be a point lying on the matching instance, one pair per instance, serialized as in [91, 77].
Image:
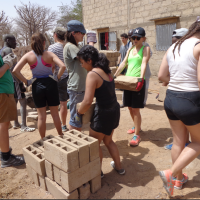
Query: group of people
[68, 70]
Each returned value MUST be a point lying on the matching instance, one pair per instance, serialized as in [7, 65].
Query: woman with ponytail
[181, 69]
[100, 84]
[44, 83]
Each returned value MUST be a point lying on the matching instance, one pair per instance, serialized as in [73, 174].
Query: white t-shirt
[183, 68]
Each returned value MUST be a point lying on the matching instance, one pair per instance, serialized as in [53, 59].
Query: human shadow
[158, 137]
[138, 172]
[154, 107]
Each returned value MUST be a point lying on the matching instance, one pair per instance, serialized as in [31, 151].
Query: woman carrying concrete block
[100, 84]
[137, 58]
[44, 83]
[181, 69]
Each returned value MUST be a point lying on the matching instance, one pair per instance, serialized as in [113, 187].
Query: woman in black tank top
[100, 84]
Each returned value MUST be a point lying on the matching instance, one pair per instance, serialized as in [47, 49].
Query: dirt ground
[142, 163]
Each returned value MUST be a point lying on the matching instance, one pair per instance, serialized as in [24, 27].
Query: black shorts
[62, 89]
[105, 118]
[184, 106]
[134, 99]
[45, 92]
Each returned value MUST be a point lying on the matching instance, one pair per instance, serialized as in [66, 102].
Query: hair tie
[198, 19]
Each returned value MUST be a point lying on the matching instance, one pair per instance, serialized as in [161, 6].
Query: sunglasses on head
[136, 38]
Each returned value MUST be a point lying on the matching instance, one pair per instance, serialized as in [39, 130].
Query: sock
[5, 156]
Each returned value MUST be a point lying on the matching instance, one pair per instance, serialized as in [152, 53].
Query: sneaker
[64, 128]
[135, 140]
[120, 172]
[102, 174]
[179, 184]
[131, 131]
[13, 161]
[169, 183]
[10, 152]
[122, 106]
[168, 147]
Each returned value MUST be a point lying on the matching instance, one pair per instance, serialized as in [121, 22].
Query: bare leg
[131, 113]
[179, 138]
[63, 112]
[42, 121]
[4, 137]
[137, 120]
[113, 150]
[190, 152]
[56, 119]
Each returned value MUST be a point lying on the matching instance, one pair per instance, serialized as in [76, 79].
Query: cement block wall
[123, 15]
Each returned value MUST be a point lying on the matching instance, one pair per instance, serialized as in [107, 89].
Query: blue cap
[75, 25]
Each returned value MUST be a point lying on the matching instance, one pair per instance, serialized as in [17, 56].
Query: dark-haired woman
[77, 74]
[44, 88]
[100, 84]
[137, 59]
[181, 69]
[57, 48]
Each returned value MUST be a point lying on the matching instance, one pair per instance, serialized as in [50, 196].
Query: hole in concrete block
[34, 152]
[89, 139]
[40, 156]
[40, 143]
[49, 137]
[66, 149]
[69, 140]
[52, 142]
[81, 136]
[74, 132]
[77, 143]
[30, 148]
[58, 145]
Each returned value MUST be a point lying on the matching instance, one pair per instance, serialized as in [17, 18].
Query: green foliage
[70, 12]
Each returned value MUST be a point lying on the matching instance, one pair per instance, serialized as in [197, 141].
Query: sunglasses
[136, 38]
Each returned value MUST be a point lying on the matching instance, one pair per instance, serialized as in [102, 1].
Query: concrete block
[126, 82]
[71, 181]
[58, 192]
[162, 93]
[40, 143]
[35, 159]
[62, 155]
[32, 113]
[57, 175]
[92, 143]
[113, 70]
[35, 177]
[84, 191]
[29, 170]
[32, 118]
[42, 183]
[86, 118]
[49, 170]
[82, 147]
[119, 95]
[95, 184]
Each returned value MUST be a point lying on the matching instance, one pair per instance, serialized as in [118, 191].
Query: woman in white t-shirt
[180, 68]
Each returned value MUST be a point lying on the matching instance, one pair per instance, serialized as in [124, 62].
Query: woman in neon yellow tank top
[137, 58]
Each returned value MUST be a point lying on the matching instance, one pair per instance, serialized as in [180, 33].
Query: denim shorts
[183, 106]
[75, 98]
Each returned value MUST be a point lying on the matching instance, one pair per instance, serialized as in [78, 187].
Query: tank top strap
[97, 74]
[36, 55]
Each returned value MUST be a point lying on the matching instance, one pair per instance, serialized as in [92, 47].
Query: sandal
[27, 129]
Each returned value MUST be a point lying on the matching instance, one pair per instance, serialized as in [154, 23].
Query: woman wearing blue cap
[77, 74]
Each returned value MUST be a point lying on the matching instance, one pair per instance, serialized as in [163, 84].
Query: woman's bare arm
[91, 85]
[145, 60]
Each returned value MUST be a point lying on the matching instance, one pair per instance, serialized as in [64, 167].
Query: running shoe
[169, 146]
[10, 152]
[168, 181]
[102, 174]
[13, 161]
[135, 140]
[120, 172]
[64, 128]
[179, 184]
[131, 131]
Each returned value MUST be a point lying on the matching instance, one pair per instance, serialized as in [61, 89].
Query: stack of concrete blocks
[71, 165]
[162, 93]
[112, 57]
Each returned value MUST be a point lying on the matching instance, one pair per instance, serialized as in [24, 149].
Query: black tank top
[105, 95]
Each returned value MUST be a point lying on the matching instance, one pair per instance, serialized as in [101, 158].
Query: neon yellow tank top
[134, 63]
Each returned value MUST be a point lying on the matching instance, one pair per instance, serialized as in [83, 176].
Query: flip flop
[27, 129]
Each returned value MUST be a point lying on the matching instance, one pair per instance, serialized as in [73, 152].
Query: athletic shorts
[45, 92]
[134, 99]
[8, 108]
[62, 89]
[183, 106]
[74, 98]
[105, 118]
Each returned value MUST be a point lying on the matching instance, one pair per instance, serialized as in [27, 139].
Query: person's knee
[135, 111]
[108, 142]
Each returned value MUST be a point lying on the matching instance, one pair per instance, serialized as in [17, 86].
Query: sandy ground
[142, 163]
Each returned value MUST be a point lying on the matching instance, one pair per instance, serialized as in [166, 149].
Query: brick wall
[123, 15]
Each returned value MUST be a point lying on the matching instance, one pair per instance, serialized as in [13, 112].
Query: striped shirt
[57, 49]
